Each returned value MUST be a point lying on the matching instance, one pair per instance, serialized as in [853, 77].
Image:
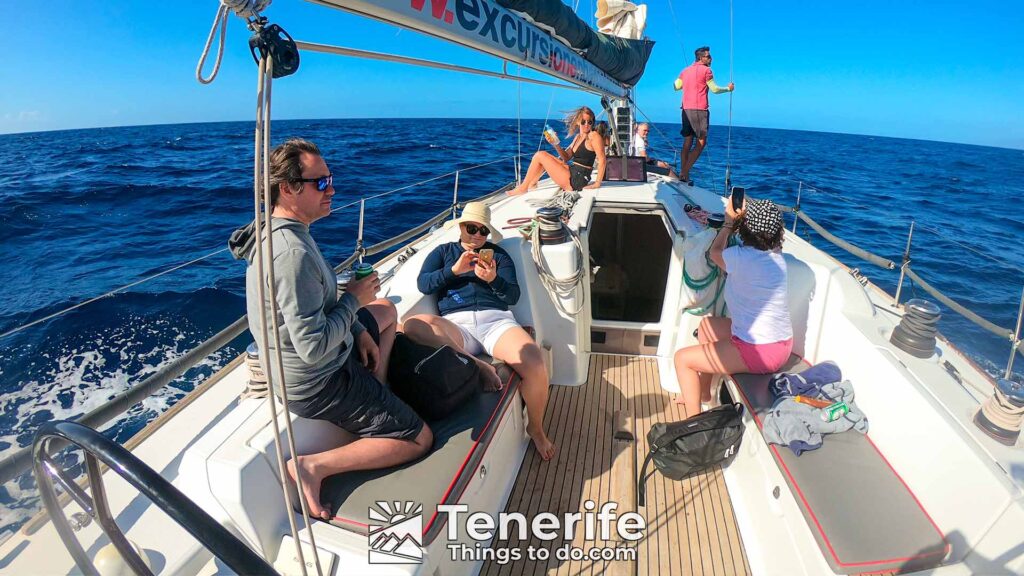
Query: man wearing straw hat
[474, 293]
[334, 349]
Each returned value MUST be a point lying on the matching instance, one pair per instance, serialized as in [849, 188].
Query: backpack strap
[641, 484]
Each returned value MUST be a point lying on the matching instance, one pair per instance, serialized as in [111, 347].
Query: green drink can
[834, 412]
[362, 270]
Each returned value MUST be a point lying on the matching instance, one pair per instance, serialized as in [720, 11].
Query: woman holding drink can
[573, 167]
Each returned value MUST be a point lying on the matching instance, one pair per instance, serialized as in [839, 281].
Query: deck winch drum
[1001, 415]
[549, 222]
[916, 332]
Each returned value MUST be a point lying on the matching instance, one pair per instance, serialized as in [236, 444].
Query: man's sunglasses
[473, 229]
[322, 183]
[586, 122]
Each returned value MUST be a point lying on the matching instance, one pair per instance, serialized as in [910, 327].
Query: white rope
[559, 288]
[261, 183]
[222, 19]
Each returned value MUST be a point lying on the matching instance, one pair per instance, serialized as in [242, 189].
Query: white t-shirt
[756, 295]
[638, 147]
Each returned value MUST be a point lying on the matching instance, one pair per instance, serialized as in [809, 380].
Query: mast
[485, 26]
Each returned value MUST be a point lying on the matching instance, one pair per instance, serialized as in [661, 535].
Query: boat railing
[96, 507]
[1012, 335]
[21, 461]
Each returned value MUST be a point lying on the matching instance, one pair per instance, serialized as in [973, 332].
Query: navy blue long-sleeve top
[466, 291]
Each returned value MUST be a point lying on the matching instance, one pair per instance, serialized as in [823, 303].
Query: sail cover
[489, 27]
[622, 59]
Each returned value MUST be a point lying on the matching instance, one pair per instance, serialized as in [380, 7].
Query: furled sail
[623, 59]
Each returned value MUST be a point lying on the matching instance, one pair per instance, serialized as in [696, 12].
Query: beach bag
[432, 381]
[680, 449]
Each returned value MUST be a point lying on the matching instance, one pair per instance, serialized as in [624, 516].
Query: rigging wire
[519, 127]
[728, 147]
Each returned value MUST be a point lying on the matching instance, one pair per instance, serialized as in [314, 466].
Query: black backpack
[432, 381]
[680, 449]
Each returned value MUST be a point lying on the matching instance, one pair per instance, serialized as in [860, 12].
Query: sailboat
[931, 488]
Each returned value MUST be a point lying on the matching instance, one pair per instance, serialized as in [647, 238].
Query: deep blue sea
[84, 212]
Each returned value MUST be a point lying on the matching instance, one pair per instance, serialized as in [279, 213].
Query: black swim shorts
[579, 176]
[695, 123]
[354, 400]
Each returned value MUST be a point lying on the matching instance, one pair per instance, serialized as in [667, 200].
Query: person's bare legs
[516, 348]
[693, 156]
[361, 454]
[697, 365]
[384, 312]
[434, 330]
[543, 162]
[687, 144]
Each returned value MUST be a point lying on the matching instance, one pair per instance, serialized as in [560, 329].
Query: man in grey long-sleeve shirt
[334, 350]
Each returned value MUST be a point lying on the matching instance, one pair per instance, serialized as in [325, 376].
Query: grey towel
[800, 426]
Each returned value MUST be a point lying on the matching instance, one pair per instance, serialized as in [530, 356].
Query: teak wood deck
[691, 527]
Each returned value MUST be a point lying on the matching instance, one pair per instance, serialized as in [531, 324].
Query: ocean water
[84, 212]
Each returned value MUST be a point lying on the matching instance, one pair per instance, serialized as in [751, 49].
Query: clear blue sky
[929, 69]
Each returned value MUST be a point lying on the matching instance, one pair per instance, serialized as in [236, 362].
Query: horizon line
[1021, 148]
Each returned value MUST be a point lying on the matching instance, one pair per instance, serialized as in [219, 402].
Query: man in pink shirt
[695, 81]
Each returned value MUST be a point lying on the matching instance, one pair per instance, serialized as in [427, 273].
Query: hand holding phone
[486, 255]
[738, 195]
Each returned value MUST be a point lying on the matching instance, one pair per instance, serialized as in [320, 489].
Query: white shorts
[482, 329]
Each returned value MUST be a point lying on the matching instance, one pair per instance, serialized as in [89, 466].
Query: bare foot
[544, 446]
[310, 488]
[492, 382]
[517, 191]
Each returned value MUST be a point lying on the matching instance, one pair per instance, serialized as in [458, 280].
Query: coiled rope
[559, 288]
[244, 9]
[1003, 413]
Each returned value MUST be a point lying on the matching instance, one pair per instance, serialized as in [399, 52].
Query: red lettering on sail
[437, 8]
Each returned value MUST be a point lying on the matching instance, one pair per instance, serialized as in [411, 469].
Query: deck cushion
[437, 478]
[863, 516]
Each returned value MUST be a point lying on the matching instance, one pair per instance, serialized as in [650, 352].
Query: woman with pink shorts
[758, 338]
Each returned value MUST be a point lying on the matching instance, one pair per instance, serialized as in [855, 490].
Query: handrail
[839, 242]
[956, 306]
[186, 513]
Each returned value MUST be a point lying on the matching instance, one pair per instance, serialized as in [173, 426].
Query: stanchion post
[796, 209]
[1015, 338]
[903, 266]
[359, 235]
[455, 196]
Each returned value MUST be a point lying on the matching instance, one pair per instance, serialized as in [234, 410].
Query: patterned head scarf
[763, 216]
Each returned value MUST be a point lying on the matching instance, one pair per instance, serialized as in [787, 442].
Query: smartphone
[486, 255]
[738, 194]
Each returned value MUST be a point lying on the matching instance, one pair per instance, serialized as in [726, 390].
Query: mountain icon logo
[396, 533]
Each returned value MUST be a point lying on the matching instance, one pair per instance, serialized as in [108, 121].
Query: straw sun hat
[481, 214]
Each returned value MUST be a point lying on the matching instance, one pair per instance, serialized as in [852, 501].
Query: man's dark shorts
[695, 123]
[355, 401]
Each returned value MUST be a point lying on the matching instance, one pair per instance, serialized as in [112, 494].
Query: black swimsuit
[581, 165]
